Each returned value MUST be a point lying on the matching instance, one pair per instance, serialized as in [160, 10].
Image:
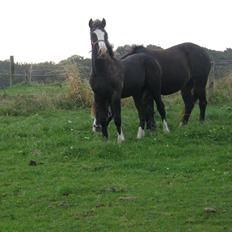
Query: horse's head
[99, 37]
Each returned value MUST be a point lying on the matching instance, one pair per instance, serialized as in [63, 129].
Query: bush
[222, 91]
[26, 99]
[79, 90]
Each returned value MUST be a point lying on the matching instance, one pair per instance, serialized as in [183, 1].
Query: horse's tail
[197, 57]
[199, 65]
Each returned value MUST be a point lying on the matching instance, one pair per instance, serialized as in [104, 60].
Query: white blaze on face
[101, 40]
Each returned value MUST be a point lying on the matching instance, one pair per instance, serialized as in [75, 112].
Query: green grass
[81, 183]
[33, 89]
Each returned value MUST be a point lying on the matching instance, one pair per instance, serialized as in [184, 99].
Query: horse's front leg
[104, 130]
[101, 112]
[102, 119]
[116, 113]
[109, 116]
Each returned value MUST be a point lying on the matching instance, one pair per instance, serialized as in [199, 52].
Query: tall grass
[222, 91]
[75, 93]
[28, 99]
[78, 90]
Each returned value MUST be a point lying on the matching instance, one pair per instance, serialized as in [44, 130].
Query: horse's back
[198, 61]
[134, 74]
[175, 70]
[180, 64]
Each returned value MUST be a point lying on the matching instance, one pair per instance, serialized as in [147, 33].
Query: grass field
[56, 175]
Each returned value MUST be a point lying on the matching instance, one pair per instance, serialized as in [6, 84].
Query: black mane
[110, 49]
[135, 49]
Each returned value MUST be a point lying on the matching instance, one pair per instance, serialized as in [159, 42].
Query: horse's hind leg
[142, 116]
[202, 104]
[188, 99]
[161, 109]
[200, 93]
[149, 111]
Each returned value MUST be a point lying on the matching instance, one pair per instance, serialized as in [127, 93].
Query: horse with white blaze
[111, 79]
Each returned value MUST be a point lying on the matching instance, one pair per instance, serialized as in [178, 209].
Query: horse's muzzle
[97, 128]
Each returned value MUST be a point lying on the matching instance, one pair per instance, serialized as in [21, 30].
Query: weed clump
[78, 90]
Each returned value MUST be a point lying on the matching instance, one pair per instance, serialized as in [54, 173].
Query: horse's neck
[100, 65]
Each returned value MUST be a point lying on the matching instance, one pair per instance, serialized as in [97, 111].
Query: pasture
[56, 175]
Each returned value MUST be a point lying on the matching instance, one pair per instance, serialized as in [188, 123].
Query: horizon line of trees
[84, 66]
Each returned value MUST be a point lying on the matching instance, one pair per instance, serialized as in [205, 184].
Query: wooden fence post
[30, 73]
[12, 70]
[211, 81]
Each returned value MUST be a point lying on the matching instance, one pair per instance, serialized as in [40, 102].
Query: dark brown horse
[185, 67]
[113, 79]
[106, 78]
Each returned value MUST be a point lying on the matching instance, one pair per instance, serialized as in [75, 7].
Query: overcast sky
[52, 30]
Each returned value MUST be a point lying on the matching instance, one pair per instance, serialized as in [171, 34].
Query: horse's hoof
[165, 127]
[166, 131]
[105, 140]
[182, 124]
[141, 133]
[119, 141]
[121, 138]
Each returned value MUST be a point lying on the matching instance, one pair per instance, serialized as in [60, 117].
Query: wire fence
[28, 75]
[58, 73]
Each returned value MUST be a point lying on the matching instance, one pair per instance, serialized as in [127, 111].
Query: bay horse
[185, 67]
[112, 79]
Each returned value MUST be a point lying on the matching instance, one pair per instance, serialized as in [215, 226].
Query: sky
[53, 30]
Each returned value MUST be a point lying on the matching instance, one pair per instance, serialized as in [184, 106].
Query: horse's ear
[103, 22]
[90, 23]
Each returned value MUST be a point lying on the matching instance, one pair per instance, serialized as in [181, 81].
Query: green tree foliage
[49, 72]
[223, 62]
[83, 64]
[122, 50]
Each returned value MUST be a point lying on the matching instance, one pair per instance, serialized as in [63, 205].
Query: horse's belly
[133, 85]
[130, 91]
[173, 84]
